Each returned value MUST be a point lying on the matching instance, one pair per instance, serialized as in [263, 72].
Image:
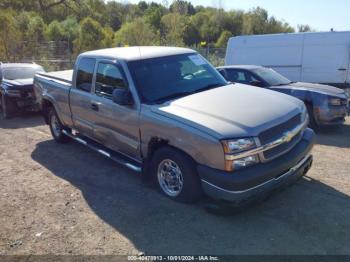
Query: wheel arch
[154, 144]
[46, 105]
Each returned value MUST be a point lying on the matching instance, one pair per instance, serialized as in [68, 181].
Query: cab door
[80, 97]
[115, 126]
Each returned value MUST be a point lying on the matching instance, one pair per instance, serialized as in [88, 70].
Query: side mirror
[122, 97]
[256, 83]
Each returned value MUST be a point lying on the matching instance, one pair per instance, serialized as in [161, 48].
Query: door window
[237, 76]
[85, 73]
[108, 78]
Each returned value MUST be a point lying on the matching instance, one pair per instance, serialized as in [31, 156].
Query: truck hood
[19, 83]
[325, 89]
[232, 111]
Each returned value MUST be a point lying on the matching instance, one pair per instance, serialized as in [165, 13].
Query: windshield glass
[271, 77]
[21, 72]
[165, 78]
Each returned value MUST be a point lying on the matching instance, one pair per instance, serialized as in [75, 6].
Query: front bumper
[26, 103]
[254, 183]
[333, 115]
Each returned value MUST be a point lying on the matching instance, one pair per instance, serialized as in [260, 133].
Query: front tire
[57, 128]
[176, 176]
[312, 124]
[7, 107]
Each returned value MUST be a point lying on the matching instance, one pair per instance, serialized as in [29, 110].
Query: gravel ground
[66, 199]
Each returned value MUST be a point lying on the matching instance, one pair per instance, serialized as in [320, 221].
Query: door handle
[94, 107]
[342, 69]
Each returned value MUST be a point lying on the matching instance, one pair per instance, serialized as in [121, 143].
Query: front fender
[201, 147]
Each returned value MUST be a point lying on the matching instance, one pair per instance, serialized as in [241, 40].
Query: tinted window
[271, 77]
[13, 73]
[166, 78]
[237, 76]
[85, 73]
[108, 78]
[240, 76]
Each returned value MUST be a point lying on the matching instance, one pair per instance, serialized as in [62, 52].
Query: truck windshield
[161, 79]
[21, 72]
[272, 77]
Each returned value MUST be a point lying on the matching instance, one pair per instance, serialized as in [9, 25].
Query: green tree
[304, 28]
[274, 26]
[191, 35]
[142, 6]
[153, 16]
[70, 28]
[90, 36]
[55, 31]
[182, 7]
[36, 29]
[208, 24]
[173, 27]
[223, 39]
[115, 16]
[135, 33]
[9, 35]
[255, 21]
[108, 37]
[233, 22]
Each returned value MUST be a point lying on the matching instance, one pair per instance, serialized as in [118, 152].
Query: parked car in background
[16, 88]
[327, 105]
[322, 57]
[167, 112]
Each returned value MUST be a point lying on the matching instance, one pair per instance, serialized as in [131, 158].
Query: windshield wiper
[182, 94]
[172, 96]
[284, 84]
[208, 87]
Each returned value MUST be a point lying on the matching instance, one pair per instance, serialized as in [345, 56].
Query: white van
[308, 57]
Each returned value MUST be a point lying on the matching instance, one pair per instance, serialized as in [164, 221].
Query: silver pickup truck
[168, 114]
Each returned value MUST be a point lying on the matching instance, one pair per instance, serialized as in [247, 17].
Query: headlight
[232, 147]
[242, 163]
[238, 145]
[334, 101]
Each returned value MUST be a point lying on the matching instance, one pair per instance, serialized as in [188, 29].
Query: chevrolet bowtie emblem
[288, 136]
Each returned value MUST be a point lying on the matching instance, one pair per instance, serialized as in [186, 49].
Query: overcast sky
[322, 15]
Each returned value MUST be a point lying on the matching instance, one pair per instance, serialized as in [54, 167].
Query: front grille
[279, 150]
[27, 94]
[277, 132]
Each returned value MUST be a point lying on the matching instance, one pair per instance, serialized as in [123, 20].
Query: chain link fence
[51, 55]
[55, 56]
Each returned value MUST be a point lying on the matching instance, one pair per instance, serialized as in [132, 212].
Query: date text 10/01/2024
[173, 258]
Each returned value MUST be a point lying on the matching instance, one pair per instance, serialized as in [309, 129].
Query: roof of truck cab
[246, 67]
[137, 52]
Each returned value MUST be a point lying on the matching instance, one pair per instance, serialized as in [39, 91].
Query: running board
[118, 158]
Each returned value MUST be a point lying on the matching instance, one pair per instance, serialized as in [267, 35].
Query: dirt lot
[65, 199]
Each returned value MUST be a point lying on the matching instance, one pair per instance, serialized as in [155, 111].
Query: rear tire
[57, 128]
[176, 176]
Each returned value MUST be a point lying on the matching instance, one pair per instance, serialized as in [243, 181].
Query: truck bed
[56, 87]
[64, 76]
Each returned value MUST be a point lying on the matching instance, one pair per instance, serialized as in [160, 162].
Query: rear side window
[85, 74]
[108, 78]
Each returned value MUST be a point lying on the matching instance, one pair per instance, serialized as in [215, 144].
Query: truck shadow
[22, 121]
[338, 136]
[309, 217]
